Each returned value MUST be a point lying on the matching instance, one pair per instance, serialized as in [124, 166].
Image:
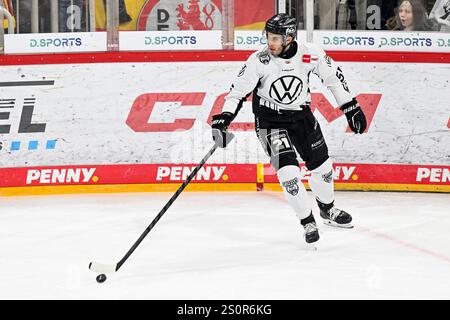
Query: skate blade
[334, 224]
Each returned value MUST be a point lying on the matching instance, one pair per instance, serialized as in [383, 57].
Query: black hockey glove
[355, 116]
[219, 125]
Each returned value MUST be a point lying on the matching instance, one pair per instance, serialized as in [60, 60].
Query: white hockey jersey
[284, 83]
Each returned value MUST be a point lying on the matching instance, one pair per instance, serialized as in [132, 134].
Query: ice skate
[333, 216]
[311, 233]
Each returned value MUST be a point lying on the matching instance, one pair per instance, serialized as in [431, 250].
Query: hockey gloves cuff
[355, 116]
[219, 125]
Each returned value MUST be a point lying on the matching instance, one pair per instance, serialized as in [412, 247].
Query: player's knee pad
[294, 190]
[324, 168]
[321, 182]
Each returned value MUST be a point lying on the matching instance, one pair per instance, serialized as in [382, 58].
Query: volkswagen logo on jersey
[286, 90]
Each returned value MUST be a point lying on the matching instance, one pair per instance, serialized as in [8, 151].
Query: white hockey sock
[294, 190]
[321, 182]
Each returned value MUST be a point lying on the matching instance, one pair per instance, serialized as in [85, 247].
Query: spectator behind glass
[410, 16]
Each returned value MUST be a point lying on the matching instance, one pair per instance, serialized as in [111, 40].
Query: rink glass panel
[427, 15]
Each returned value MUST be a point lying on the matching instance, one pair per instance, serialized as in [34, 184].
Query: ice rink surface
[224, 245]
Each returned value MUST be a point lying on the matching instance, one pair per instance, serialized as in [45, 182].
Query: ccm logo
[433, 174]
[181, 173]
[139, 117]
[60, 175]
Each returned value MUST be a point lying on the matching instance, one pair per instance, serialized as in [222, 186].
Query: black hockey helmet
[283, 24]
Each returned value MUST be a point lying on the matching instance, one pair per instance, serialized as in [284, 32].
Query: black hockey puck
[101, 278]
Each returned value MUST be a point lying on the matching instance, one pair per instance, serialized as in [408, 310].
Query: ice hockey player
[278, 75]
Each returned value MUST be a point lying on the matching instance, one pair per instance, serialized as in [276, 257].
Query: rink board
[123, 119]
[217, 177]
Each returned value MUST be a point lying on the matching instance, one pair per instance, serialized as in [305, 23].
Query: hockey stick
[110, 268]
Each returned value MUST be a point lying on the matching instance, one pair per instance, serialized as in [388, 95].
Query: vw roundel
[286, 90]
